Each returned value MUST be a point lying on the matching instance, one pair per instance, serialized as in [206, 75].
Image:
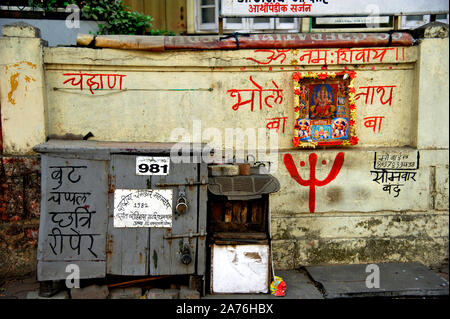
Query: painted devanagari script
[394, 171]
[71, 212]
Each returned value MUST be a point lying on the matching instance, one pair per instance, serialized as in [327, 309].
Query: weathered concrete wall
[354, 218]
[22, 85]
[193, 86]
[433, 96]
[22, 102]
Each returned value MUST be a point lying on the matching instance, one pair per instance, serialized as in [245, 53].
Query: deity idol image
[341, 93]
[322, 103]
[303, 131]
[339, 128]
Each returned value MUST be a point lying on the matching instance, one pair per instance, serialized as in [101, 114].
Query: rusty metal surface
[73, 166]
[253, 41]
[289, 41]
[128, 42]
[104, 148]
[167, 245]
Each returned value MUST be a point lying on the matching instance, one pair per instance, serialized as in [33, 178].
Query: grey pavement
[397, 280]
[299, 286]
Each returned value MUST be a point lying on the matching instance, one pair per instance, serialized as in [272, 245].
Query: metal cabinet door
[168, 244]
[148, 251]
[73, 217]
[126, 248]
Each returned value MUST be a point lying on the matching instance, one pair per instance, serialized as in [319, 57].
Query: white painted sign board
[330, 8]
[143, 208]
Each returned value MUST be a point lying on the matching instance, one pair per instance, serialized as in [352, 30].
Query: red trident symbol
[313, 182]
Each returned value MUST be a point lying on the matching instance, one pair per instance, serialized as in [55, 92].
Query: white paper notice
[143, 208]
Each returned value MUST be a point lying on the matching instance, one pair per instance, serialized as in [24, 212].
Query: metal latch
[188, 183]
[190, 235]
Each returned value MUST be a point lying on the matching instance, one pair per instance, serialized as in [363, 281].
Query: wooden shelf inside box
[225, 216]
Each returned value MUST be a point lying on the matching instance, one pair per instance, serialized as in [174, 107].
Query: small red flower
[351, 122]
[296, 141]
[352, 74]
[297, 109]
[352, 90]
[297, 92]
[296, 76]
[322, 76]
[354, 140]
[281, 289]
[352, 107]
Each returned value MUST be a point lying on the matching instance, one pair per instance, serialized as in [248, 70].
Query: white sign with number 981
[148, 165]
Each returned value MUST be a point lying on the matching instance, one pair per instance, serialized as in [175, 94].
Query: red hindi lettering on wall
[273, 55]
[378, 89]
[276, 96]
[95, 81]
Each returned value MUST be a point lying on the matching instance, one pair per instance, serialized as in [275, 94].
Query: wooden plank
[256, 212]
[157, 10]
[216, 211]
[228, 212]
[176, 16]
[135, 5]
[237, 208]
[128, 3]
[235, 235]
[244, 212]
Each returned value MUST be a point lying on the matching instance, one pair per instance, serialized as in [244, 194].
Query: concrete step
[395, 280]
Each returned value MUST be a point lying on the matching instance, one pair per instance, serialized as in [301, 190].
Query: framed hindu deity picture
[325, 111]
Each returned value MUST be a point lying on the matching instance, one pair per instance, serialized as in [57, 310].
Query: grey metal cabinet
[88, 186]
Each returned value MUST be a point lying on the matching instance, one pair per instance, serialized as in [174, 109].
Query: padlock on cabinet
[182, 206]
[186, 257]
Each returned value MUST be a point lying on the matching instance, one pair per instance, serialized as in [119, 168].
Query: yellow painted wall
[355, 220]
[193, 86]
